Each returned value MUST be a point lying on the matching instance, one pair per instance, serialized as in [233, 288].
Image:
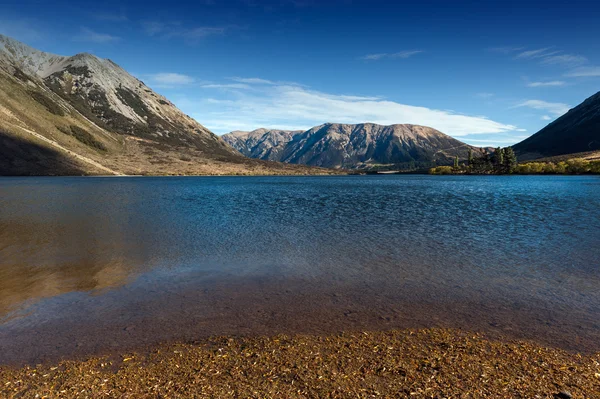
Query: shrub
[83, 136]
[536, 167]
[441, 170]
[19, 74]
[578, 165]
[50, 105]
[561, 167]
[549, 168]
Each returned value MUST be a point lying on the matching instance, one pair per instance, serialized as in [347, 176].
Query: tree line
[501, 161]
[504, 161]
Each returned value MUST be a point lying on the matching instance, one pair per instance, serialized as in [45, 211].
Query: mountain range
[82, 114]
[409, 147]
[359, 146]
[87, 115]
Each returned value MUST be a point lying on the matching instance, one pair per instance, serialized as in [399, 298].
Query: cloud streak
[285, 105]
[547, 56]
[585, 72]
[553, 83]
[556, 109]
[176, 30]
[568, 60]
[238, 86]
[172, 78]
[400, 55]
[538, 53]
[253, 81]
[88, 35]
[169, 80]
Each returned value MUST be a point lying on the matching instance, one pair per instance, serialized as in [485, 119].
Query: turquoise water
[90, 264]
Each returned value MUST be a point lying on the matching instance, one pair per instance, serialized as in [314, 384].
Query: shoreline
[416, 363]
[87, 326]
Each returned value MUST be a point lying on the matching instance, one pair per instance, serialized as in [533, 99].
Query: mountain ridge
[354, 146]
[84, 111]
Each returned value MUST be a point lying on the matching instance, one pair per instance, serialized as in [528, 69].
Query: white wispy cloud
[198, 32]
[552, 83]
[88, 35]
[537, 53]
[253, 81]
[488, 142]
[297, 107]
[401, 54]
[239, 86]
[494, 140]
[546, 118]
[592, 71]
[569, 60]
[168, 80]
[484, 95]
[176, 30]
[556, 109]
[551, 56]
[152, 28]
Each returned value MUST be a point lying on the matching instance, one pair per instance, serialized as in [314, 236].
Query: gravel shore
[434, 363]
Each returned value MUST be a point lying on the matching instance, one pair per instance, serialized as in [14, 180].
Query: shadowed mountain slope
[576, 131]
[96, 115]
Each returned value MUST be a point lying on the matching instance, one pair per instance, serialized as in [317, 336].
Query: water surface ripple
[89, 265]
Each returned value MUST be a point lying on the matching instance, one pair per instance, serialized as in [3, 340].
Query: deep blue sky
[487, 72]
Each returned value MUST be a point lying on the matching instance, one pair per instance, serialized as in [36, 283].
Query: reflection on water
[89, 264]
[59, 239]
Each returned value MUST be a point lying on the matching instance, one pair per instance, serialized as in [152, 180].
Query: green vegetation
[134, 101]
[82, 136]
[504, 161]
[49, 104]
[443, 170]
[573, 166]
[501, 161]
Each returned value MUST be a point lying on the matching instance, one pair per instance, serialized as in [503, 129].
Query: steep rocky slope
[86, 115]
[267, 144]
[576, 131]
[364, 145]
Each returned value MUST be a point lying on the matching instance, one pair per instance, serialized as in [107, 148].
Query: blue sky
[486, 72]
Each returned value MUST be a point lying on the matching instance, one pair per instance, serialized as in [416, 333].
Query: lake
[94, 265]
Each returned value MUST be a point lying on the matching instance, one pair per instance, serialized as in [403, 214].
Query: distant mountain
[87, 115]
[365, 145]
[576, 131]
[261, 143]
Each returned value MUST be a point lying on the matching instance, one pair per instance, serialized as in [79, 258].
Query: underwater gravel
[433, 363]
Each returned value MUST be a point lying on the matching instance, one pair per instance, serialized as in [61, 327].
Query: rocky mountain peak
[363, 145]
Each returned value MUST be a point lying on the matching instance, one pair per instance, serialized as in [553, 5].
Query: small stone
[563, 395]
